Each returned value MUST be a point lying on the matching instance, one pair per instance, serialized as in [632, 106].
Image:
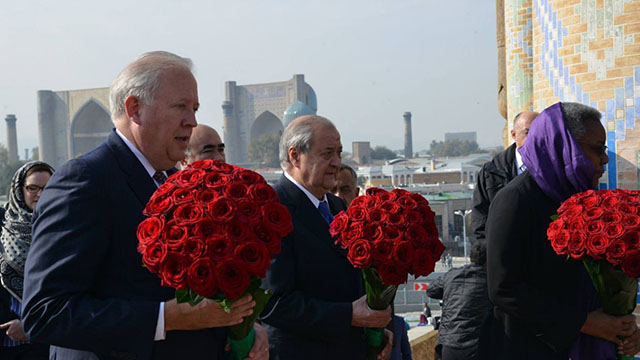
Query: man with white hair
[86, 291]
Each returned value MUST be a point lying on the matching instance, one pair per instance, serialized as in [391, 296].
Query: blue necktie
[325, 212]
[160, 177]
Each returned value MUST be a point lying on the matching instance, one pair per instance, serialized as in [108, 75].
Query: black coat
[534, 290]
[5, 311]
[314, 285]
[85, 286]
[465, 305]
[493, 176]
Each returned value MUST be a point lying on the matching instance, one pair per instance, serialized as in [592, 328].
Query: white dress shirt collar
[519, 164]
[143, 160]
[314, 200]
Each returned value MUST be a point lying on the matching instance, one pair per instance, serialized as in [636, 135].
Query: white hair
[299, 135]
[141, 78]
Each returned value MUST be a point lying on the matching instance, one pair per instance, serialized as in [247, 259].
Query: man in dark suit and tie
[318, 309]
[86, 291]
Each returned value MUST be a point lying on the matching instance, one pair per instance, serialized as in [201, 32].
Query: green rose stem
[617, 291]
[379, 296]
[240, 336]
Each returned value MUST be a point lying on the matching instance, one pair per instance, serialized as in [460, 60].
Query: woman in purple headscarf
[545, 306]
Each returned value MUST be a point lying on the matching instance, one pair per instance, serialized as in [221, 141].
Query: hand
[363, 316]
[206, 314]
[609, 327]
[14, 330]
[260, 348]
[385, 354]
[630, 345]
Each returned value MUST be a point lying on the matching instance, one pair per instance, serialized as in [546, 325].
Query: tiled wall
[586, 51]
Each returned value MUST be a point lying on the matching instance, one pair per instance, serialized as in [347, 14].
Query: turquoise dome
[297, 109]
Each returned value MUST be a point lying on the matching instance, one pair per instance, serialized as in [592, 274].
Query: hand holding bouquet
[211, 232]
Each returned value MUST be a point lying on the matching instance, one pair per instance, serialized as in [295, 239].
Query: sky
[369, 61]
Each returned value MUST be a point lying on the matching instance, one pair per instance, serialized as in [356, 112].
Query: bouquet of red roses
[211, 232]
[602, 228]
[389, 235]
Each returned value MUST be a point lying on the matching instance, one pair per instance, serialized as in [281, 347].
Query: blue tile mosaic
[619, 98]
[620, 129]
[611, 143]
[611, 110]
[637, 73]
[638, 107]
[630, 119]
[628, 87]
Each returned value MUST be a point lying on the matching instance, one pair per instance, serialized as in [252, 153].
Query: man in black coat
[496, 173]
[318, 308]
[465, 306]
[86, 291]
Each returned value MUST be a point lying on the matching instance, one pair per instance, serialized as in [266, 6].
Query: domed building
[254, 110]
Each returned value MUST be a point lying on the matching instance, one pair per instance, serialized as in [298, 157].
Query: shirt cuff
[160, 333]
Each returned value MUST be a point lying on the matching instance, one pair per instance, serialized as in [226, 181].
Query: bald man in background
[205, 143]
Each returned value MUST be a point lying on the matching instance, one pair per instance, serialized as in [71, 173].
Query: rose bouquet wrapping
[388, 235]
[602, 228]
[210, 232]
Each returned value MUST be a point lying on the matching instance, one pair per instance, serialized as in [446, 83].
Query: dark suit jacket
[309, 316]
[85, 286]
[534, 290]
[493, 176]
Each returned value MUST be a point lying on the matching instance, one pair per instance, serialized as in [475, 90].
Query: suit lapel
[304, 212]
[136, 176]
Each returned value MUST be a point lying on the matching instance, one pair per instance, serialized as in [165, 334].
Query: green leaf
[554, 217]
[182, 296]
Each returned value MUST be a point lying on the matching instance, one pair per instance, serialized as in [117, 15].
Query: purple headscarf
[554, 158]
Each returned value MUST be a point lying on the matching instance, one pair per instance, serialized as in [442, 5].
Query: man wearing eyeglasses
[205, 143]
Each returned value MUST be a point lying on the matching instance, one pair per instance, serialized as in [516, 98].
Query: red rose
[339, 224]
[631, 221]
[201, 277]
[270, 238]
[611, 217]
[233, 278]
[262, 193]
[222, 209]
[353, 232]
[182, 196]
[610, 201]
[426, 212]
[187, 214]
[235, 190]
[389, 207]
[206, 196]
[392, 233]
[572, 201]
[595, 227]
[584, 194]
[392, 273]
[175, 236]
[422, 264]
[421, 200]
[193, 248]
[575, 224]
[236, 230]
[207, 227]
[396, 219]
[372, 232]
[248, 177]
[173, 271]
[573, 211]
[631, 264]
[614, 230]
[189, 178]
[597, 246]
[201, 164]
[222, 167]
[372, 191]
[554, 228]
[591, 201]
[626, 209]
[592, 214]
[382, 250]
[407, 202]
[400, 192]
[357, 213]
[375, 216]
[576, 246]
[632, 239]
[561, 241]
[215, 180]
[218, 247]
[436, 247]
[150, 229]
[372, 201]
[158, 206]
[360, 253]
[615, 251]
[359, 201]
[416, 235]
[402, 252]
[413, 217]
[153, 255]
[277, 218]
[255, 256]
[164, 189]
[248, 210]
[385, 196]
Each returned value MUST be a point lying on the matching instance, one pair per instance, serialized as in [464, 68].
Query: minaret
[12, 138]
[408, 144]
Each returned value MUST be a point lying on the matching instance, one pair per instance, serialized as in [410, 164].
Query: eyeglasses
[33, 189]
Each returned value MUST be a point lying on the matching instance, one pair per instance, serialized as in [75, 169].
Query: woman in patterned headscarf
[26, 187]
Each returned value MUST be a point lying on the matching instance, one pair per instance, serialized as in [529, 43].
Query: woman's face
[593, 146]
[32, 188]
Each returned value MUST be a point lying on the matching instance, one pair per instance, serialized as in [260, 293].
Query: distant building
[12, 138]
[469, 136]
[71, 123]
[361, 152]
[253, 110]
[408, 141]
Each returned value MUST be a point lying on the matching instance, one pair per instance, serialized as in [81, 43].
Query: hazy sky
[369, 61]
